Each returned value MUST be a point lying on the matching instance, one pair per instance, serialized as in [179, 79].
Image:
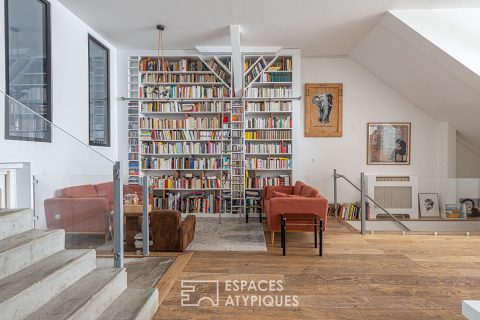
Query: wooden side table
[132, 214]
[291, 218]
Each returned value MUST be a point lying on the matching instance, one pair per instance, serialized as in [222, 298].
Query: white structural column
[237, 65]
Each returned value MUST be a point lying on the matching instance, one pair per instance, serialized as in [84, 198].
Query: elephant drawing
[324, 103]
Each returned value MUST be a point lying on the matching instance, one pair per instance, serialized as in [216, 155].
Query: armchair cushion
[308, 191]
[297, 189]
[276, 194]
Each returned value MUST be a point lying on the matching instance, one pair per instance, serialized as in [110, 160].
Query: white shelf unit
[133, 113]
[184, 102]
[268, 92]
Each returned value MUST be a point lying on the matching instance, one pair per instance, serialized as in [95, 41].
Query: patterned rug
[232, 234]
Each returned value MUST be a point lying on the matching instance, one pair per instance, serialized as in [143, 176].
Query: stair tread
[8, 212]
[67, 303]
[29, 276]
[24, 238]
[128, 304]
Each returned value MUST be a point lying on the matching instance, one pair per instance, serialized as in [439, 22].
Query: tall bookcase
[184, 144]
[205, 151]
[268, 94]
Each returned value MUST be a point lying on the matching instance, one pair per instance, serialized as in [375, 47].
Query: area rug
[232, 234]
[142, 272]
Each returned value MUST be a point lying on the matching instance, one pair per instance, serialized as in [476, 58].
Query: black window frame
[107, 134]
[48, 75]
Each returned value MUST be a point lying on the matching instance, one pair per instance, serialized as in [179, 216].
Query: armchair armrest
[268, 191]
[77, 214]
[186, 231]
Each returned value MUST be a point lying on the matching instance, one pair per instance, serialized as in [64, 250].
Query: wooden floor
[380, 276]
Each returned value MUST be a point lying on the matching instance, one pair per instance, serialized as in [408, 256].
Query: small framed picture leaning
[429, 206]
[388, 143]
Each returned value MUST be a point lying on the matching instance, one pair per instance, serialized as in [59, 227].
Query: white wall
[64, 162]
[468, 161]
[366, 99]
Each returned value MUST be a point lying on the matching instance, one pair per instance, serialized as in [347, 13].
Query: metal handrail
[364, 195]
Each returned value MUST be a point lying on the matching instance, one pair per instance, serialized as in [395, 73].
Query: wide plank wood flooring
[379, 276]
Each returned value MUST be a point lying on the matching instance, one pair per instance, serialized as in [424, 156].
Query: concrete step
[133, 304]
[88, 298]
[471, 309]
[27, 290]
[24, 249]
[16, 221]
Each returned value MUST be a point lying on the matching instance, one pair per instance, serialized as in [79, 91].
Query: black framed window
[28, 71]
[99, 97]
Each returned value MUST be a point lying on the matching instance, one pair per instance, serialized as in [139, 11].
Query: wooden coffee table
[302, 219]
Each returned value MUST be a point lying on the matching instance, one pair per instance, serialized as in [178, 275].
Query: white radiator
[396, 193]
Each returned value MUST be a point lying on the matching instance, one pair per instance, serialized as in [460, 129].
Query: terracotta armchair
[169, 232]
[300, 198]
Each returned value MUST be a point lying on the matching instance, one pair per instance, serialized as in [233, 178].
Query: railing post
[363, 202]
[146, 218]
[117, 216]
[335, 192]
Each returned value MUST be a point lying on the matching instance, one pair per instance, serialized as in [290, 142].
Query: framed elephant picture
[323, 110]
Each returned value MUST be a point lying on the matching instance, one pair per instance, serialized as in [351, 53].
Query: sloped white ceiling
[317, 27]
[423, 73]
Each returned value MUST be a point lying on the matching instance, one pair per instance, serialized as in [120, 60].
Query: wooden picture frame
[429, 205]
[388, 143]
[323, 109]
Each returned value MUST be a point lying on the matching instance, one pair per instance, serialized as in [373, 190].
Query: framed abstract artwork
[323, 110]
[388, 143]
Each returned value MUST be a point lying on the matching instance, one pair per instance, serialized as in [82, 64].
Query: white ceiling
[317, 27]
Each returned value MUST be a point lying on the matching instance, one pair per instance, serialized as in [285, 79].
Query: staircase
[39, 279]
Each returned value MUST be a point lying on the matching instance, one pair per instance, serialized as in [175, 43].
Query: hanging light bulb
[161, 90]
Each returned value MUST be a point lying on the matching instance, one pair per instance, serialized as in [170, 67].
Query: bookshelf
[204, 151]
[268, 92]
[183, 130]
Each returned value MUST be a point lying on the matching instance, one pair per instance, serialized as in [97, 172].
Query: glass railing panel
[51, 169]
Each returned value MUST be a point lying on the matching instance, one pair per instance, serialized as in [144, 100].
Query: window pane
[28, 76]
[99, 94]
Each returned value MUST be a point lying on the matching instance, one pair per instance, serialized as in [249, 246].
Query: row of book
[260, 182]
[281, 64]
[276, 77]
[268, 106]
[269, 123]
[133, 156]
[265, 135]
[282, 147]
[207, 106]
[184, 163]
[183, 65]
[176, 78]
[195, 202]
[256, 70]
[219, 71]
[269, 163]
[160, 148]
[132, 133]
[183, 92]
[186, 123]
[187, 182]
[280, 92]
[182, 134]
[351, 211]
